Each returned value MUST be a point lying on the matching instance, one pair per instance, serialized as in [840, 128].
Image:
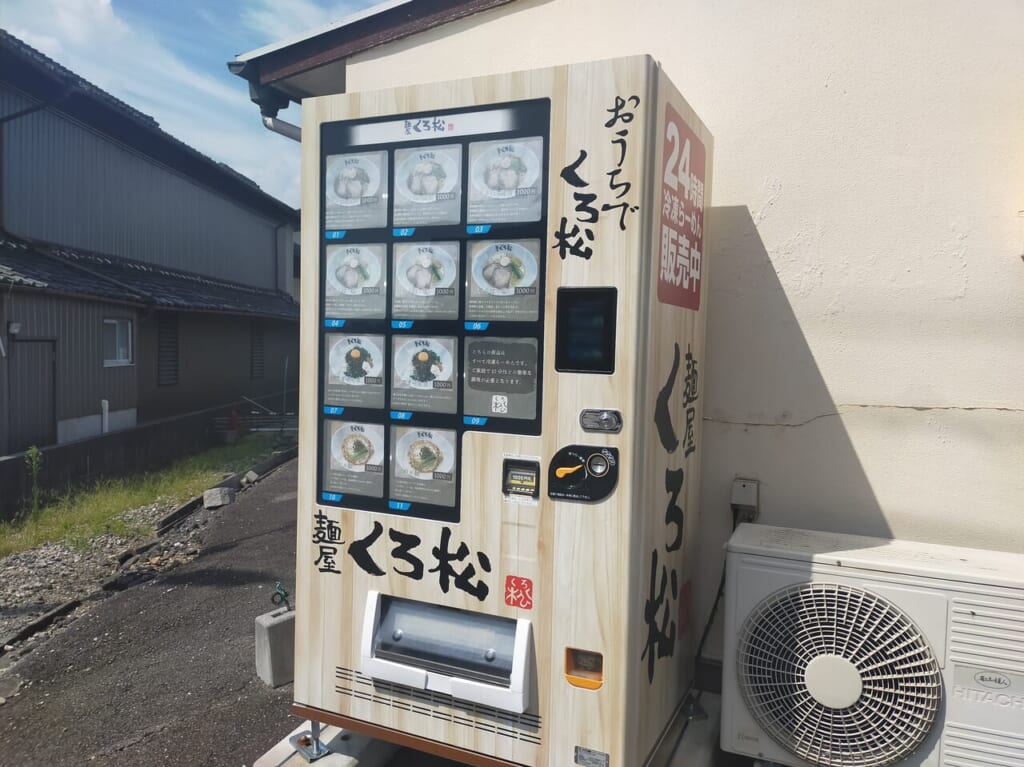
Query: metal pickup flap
[443, 639]
[473, 656]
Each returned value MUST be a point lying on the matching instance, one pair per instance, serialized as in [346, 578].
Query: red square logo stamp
[518, 592]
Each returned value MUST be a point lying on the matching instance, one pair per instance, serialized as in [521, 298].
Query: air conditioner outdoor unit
[846, 651]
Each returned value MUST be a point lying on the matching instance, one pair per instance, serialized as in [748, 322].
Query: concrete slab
[347, 750]
[698, 747]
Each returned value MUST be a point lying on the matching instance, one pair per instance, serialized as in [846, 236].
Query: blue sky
[167, 58]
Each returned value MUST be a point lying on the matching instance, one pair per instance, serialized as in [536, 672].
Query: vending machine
[503, 300]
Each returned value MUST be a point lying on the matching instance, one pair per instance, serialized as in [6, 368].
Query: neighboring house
[139, 279]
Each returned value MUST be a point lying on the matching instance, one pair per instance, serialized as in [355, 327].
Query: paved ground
[164, 672]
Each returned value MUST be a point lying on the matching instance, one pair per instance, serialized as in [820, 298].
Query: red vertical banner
[682, 214]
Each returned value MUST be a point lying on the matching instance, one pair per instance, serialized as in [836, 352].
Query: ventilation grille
[255, 350]
[439, 707]
[971, 747]
[166, 349]
[987, 634]
[860, 634]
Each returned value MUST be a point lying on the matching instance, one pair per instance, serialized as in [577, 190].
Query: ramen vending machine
[503, 304]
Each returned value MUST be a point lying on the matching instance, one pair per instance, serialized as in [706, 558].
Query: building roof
[314, 64]
[87, 274]
[41, 78]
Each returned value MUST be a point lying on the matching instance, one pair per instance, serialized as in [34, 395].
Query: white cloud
[278, 19]
[213, 114]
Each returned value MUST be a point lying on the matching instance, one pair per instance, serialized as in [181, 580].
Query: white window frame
[127, 325]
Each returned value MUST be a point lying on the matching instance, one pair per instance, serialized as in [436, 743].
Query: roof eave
[278, 66]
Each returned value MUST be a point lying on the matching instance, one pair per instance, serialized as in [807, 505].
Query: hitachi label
[587, 757]
[982, 686]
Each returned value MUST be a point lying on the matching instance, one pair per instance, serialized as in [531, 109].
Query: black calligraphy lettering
[688, 435]
[573, 242]
[325, 561]
[326, 530]
[691, 379]
[360, 551]
[661, 634]
[624, 208]
[674, 514]
[463, 580]
[614, 185]
[662, 415]
[570, 173]
[586, 212]
[403, 551]
[617, 113]
[620, 142]
[445, 571]
[326, 533]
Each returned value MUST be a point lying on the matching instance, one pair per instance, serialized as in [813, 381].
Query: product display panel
[432, 286]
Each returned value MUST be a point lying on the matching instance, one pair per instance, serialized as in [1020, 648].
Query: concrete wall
[145, 448]
[866, 327]
[74, 429]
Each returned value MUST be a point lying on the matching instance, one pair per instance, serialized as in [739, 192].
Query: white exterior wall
[866, 327]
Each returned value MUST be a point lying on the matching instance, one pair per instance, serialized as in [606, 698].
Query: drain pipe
[286, 129]
[268, 99]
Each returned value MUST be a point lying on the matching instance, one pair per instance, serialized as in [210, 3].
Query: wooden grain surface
[589, 563]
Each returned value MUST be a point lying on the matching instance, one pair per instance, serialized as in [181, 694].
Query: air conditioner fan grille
[900, 684]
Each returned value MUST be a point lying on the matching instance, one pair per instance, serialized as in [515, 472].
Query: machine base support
[343, 749]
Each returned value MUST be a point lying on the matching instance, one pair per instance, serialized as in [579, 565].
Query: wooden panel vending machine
[503, 305]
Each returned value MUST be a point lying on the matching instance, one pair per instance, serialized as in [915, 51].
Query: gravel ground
[34, 582]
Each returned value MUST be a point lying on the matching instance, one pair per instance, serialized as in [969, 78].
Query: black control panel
[582, 473]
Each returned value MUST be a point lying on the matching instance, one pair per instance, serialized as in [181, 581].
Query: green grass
[81, 515]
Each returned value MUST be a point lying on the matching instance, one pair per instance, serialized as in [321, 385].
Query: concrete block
[250, 478]
[275, 647]
[216, 497]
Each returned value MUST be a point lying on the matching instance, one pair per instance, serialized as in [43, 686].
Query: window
[166, 349]
[117, 343]
[255, 350]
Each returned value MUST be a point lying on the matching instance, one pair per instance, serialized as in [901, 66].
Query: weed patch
[82, 514]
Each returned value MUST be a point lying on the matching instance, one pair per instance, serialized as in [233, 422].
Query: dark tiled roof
[69, 271]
